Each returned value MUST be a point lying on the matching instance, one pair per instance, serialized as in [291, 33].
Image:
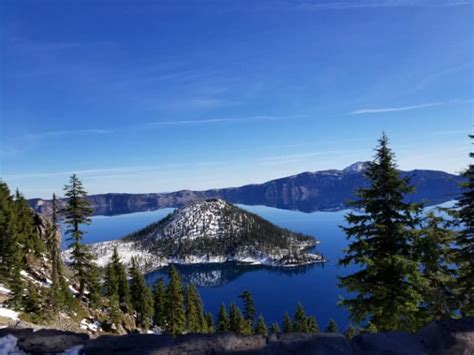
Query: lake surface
[275, 290]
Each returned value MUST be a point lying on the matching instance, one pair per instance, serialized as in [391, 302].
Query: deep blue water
[274, 290]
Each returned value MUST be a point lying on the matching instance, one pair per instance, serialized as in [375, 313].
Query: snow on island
[210, 231]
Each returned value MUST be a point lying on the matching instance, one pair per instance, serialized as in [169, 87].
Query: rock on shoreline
[445, 337]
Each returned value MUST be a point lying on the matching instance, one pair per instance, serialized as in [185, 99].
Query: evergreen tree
[10, 247]
[93, 286]
[195, 319]
[237, 323]
[223, 320]
[141, 298]
[76, 213]
[300, 323]
[350, 332]
[370, 328]
[249, 307]
[110, 281]
[159, 303]
[115, 281]
[465, 242]
[275, 329]
[54, 242]
[235, 318]
[287, 324]
[436, 255]
[33, 303]
[332, 327]
[115, 315]
[29, 239]
[313, 327]
[261, 327]
[175, 313]
[209, 323]
[382, 237]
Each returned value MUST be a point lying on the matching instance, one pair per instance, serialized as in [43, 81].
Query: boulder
[48, 340]
[390, 343]
[320, 344]
[449, 337]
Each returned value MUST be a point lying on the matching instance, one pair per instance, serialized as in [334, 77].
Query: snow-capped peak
[356, 167]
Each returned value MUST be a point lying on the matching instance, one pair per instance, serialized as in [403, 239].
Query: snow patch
[4, 290]
[91, 326]
[8, 313]
[8, 345]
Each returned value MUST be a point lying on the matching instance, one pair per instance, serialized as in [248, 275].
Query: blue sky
[149, 96]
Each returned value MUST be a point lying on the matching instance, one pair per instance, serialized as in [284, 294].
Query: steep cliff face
[41, 270]
[210, 231]
[307, 192]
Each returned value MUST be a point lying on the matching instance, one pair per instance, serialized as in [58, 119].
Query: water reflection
[215, 275]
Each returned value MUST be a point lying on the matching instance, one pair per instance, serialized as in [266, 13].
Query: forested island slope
[210, 231]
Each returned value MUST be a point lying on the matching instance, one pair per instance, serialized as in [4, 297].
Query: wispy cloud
[61, 133]
[442, 73]
[362, 111]
[364, 4]
[225, 120]
[120, 171]
[393, 109]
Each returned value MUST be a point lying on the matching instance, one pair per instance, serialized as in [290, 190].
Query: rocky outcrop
[446, 337]
[310, 191]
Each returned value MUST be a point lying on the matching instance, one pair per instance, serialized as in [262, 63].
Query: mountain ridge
[325, 190]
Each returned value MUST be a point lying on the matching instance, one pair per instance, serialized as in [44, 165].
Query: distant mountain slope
[307, 192]
[210, 231]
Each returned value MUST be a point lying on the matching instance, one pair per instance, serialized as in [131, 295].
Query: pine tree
[10, 247]
[175, 316]
[350, 332]
[382, 238]
[53, 243]
[141, 298]
[76, 213]
[209, 323]
[275, 329]
[332, 327]
[261, 327]
[115, 281]
[28, 237]
[115, 315]
[110, 281]
[194, 311]
[159, 303]
[223, 320]
[287, 324]
[237, 323]
[33, 303]
[437, 256]
[313, 327]
[249, 307]
[94, 286]
[300, 323]
[235, 317]
[465, 242]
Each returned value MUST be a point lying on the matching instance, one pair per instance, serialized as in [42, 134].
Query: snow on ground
[8, 345]
[75, 350]
[91, 326]
[8, 313]
[103, 252]
[4, 290]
